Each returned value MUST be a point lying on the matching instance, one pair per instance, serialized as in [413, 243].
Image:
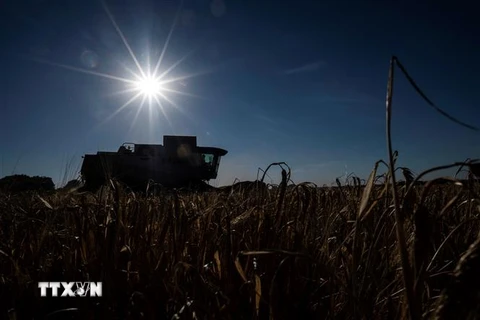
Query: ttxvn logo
[71, 289]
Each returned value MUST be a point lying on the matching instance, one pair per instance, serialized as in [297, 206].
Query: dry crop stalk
[400, 231]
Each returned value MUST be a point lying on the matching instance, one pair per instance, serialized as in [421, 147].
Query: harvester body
[177, 163]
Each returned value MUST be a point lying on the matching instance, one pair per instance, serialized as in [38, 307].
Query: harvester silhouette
[178, 163]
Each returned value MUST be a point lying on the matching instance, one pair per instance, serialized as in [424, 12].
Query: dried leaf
[45, 202]
[258, 293]
[240, 270]
[367, 191]
[216, 255]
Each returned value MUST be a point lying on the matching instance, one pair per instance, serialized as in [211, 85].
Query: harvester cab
[176, 163]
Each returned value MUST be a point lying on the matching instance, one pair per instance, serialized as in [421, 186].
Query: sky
[302, 82]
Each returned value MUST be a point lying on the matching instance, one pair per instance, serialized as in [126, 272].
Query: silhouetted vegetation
[22, 182]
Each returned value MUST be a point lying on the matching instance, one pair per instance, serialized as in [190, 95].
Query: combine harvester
[178, 163]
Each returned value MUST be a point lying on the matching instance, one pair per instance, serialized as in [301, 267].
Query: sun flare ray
[173, 66]
[182, 93]
[139, 109]
[120, 33]
[164, 112]
[167, 41]
[170, 101]
[126, 104]
[135, 75]
[81, 70]
[185, 77]
[124, 91]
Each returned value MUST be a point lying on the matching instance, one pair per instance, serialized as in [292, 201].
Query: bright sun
[152, 85]
[149, 86]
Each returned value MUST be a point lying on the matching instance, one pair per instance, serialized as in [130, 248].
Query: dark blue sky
[296, 81]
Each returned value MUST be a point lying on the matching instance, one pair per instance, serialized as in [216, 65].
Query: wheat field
[253, 252]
